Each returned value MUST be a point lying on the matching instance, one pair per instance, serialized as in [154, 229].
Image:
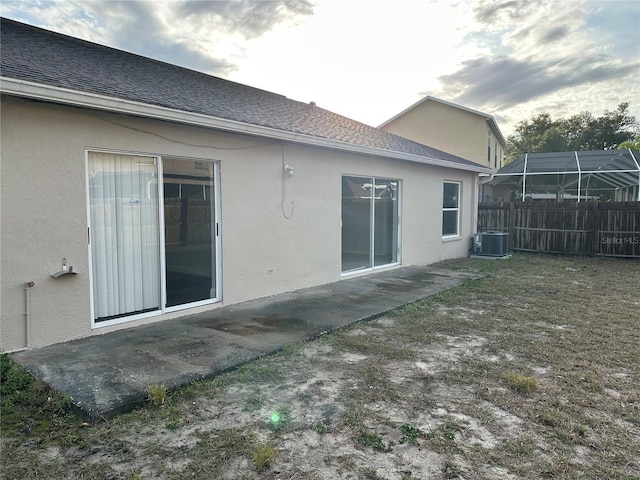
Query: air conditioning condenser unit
[491, 244]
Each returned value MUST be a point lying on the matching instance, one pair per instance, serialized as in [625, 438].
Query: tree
[580, 132]
[630, 144]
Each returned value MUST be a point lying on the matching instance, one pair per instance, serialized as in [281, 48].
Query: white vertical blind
[125, 236]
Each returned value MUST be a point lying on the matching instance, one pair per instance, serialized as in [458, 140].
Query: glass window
[450, 209]
[370, 221]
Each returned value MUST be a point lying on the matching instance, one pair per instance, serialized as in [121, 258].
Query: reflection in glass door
[190, 231]
[370, 221]
[385, 222]
[356, 223]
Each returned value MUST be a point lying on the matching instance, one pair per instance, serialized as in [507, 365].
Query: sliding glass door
[370, 222]
[153, 235]
[190, 231]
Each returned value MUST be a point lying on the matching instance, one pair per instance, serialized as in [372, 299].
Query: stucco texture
[278, 233]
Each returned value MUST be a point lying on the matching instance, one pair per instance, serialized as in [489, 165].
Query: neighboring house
[452, 128]
[135, 191]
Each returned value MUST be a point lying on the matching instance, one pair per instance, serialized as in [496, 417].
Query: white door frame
[216, 235]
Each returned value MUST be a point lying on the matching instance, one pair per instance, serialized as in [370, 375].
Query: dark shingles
[40, 56]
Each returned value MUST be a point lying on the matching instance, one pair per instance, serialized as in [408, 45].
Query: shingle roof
[40, 56]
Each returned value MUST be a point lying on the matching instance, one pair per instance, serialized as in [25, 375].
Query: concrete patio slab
[107, 374]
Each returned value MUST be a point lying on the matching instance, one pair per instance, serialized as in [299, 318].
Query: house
[459, 130]
[135, 191]
[452, 128]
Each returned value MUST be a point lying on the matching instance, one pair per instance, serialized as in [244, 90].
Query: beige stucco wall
[44, 217]
[447, 128]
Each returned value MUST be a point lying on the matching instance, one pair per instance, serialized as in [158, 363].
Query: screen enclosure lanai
[608, 175]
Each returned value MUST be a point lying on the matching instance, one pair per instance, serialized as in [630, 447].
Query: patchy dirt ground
[531, 372]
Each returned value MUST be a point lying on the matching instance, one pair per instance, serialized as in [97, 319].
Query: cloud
[249, 17]
[139, 27]
[503, 83]
[561, 57]
[533, 27]
[193, 34]
[552, 34]
[489, 12]
[133, 26]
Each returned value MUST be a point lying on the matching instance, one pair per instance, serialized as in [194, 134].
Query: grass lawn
[531, 372]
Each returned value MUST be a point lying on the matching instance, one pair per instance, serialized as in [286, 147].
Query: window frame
[455, 209]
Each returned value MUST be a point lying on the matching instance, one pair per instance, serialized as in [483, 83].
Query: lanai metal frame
[587, 173]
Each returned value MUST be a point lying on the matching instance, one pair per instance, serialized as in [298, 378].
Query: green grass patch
[372, 344]
[442, 438]
[30, 407]
[373, 440]
[157, 394]
[263, 456]
[280, 419]
[320, 428]
[261, 371]
[521, 383]
[253, 402]
[410, 433]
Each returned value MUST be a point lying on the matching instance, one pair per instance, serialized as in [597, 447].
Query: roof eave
[408, 109]
[49, 93]
[496, 129]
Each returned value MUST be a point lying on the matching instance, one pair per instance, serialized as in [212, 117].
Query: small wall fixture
[288, 170]
[64, 271]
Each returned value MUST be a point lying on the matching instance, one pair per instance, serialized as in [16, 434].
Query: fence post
[511, 225]
[596, 229]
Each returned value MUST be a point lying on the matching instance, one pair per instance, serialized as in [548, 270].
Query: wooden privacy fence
[581, 228]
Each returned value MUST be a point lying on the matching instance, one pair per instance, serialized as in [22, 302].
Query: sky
[371, 59]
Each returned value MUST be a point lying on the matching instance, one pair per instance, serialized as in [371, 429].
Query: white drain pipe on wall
[27, 313]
